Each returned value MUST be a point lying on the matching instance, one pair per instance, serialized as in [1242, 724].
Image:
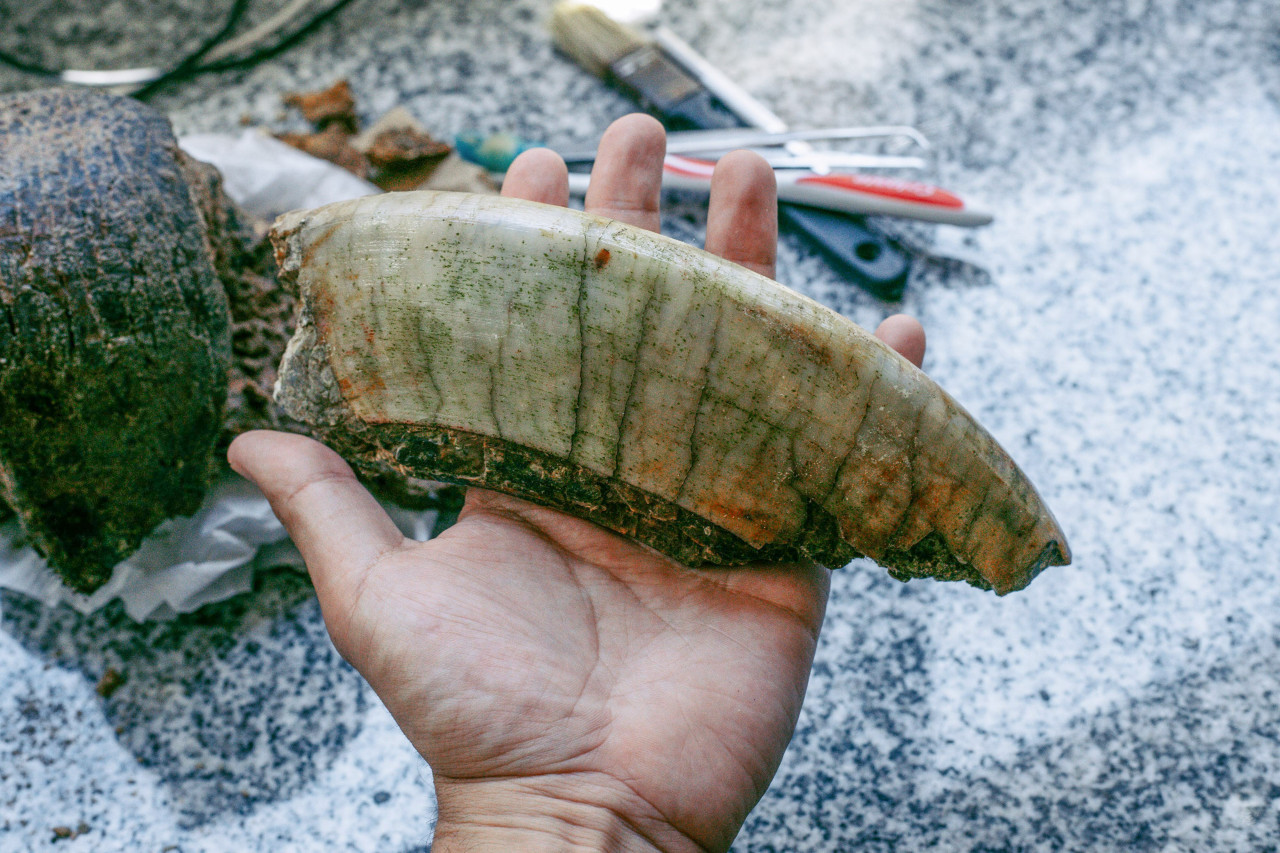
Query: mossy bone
[114, 327]
[646, 385]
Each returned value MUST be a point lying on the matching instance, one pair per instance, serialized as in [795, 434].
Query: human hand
[568, 687]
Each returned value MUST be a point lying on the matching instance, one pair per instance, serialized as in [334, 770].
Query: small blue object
[494, 152]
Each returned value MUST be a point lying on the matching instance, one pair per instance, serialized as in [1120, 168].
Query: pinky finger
[904, 334]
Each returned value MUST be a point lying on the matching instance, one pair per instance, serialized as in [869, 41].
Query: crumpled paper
[189, 562]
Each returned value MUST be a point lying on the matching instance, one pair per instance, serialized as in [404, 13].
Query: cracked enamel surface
[637, 360]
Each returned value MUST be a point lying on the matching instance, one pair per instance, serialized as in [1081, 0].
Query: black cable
[184, 68]
[280, 46]
[189, 66]
[31, 68]
[237, 11]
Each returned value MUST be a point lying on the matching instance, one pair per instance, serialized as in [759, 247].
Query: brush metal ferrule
[648, 73]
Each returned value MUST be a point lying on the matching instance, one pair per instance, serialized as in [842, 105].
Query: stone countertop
[1116, 329]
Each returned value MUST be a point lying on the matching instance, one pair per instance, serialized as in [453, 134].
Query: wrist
[552, 814]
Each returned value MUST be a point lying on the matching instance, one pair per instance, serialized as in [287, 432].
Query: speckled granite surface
[1117, 329]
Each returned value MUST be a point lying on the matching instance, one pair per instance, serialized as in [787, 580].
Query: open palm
[559, 678]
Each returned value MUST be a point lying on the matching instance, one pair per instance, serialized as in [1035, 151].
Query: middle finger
[626, 181]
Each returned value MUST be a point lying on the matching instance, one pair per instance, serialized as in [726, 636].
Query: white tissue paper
[189, 562]
[267, 177]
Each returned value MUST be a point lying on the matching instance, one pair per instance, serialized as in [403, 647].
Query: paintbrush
[641, 67]
[638, 66]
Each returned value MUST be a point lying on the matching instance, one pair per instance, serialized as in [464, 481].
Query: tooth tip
[1055, 553]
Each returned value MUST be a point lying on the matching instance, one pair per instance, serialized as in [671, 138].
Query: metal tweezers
[773, 146]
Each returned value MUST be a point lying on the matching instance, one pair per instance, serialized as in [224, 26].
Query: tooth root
[644, 384]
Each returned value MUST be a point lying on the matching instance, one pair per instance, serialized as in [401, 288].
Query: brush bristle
[593, 39]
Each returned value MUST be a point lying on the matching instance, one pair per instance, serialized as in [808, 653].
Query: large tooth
[644, 384]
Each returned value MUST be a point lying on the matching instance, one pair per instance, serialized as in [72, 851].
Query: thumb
[338, 526]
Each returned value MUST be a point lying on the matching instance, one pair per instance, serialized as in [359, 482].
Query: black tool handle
[873, 261]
